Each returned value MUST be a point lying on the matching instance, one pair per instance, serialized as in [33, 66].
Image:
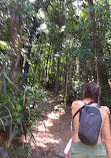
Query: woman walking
[79, 149]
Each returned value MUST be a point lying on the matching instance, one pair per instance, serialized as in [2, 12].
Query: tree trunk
[57, 75]
[15, 29]
[26, 67]
[18, 69]
[101, 68]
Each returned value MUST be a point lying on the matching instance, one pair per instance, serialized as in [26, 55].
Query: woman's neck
[87, 100]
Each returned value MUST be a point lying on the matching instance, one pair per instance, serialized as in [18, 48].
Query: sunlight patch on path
[44, 138]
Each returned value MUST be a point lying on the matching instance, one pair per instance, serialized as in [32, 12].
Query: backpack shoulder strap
[79, 110]
[98, 106]
[84, 106]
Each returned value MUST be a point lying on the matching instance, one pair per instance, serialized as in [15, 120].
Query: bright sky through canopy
[32, 1]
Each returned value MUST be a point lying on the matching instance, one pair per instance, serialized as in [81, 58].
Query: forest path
[53, 135]
[52, 138]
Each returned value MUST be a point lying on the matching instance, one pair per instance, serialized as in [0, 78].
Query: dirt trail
[52, 139]
[53, 134]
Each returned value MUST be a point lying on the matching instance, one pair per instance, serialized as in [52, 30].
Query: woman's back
[91, 92]
[76, 105]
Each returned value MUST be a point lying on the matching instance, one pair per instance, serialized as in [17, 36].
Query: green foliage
[19, 108]
[60, 56]
[21, 152]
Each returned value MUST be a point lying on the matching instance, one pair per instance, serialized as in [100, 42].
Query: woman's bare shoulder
[76, 103]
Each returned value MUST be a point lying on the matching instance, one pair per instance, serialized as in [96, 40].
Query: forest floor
[53, 133]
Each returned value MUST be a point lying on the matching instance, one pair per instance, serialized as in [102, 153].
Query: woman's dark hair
[92, 90]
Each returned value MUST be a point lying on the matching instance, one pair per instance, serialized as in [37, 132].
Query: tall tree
[97, 47]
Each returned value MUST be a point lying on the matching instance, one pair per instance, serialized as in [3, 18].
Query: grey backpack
[89, 123]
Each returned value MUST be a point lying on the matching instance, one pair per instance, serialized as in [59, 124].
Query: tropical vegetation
[54, 44]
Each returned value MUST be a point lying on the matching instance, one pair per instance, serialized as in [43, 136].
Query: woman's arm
[107, 134]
